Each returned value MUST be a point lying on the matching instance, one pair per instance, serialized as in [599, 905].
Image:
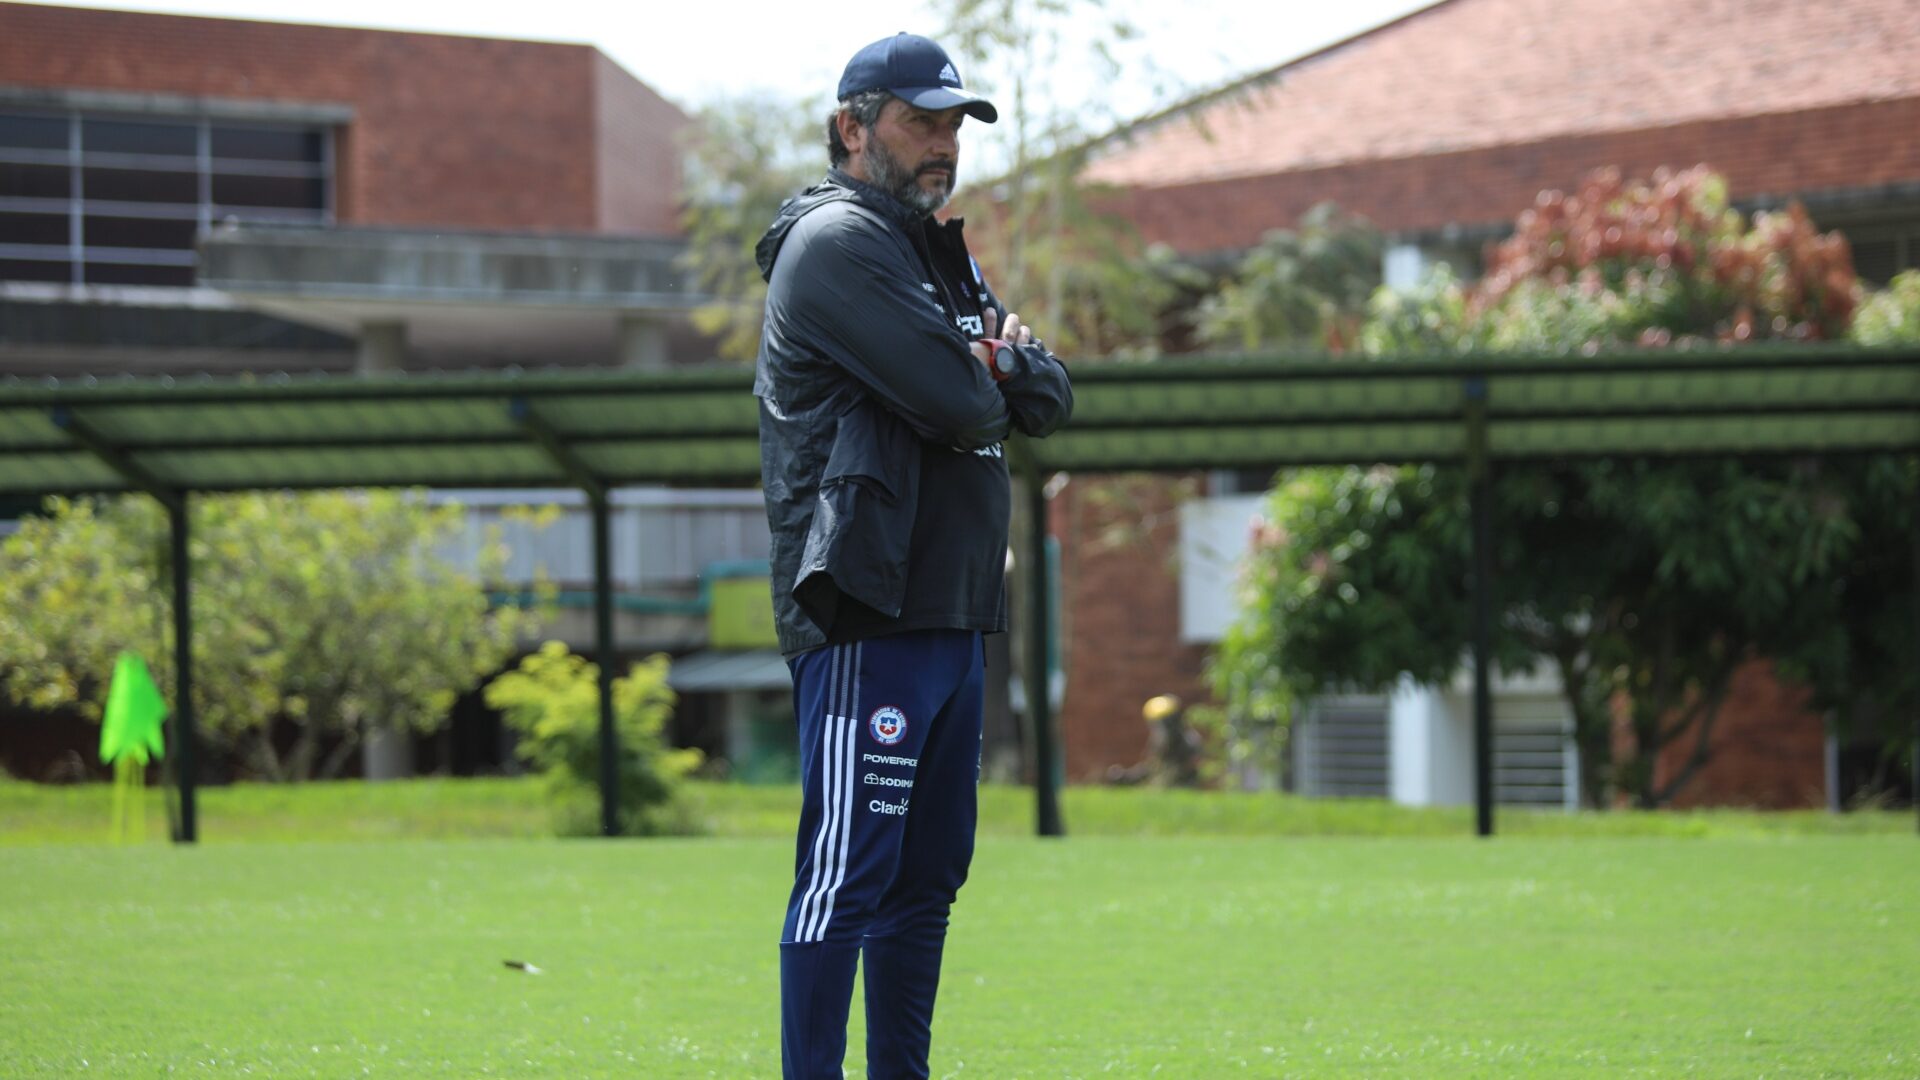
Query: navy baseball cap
[915, 70]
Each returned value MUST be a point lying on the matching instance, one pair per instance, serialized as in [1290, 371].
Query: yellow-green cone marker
[130, 736]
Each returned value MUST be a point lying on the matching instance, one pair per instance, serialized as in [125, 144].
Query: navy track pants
[890, 771]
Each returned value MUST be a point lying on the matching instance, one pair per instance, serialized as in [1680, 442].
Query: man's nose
[947, 141]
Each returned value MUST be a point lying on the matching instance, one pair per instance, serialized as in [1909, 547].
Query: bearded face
[925, 186]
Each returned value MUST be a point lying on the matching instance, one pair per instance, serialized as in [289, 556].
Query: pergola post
[137, 477]
[599, 499]
[605, 657]
[1046, 768]
[185, 737]
[1480, 508]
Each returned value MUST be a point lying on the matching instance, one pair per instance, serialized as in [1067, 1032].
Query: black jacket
[864, 369]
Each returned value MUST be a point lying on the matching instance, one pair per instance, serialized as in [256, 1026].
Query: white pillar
[641, 342]
[1410, 731]
[383, 347]
[738, 705]
[387, 754]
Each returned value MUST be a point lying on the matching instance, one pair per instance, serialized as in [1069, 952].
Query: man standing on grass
[888, 376]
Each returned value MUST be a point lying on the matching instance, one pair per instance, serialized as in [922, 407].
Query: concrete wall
[1214, 533]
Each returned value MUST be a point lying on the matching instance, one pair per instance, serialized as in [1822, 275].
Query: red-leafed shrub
[1665, 259]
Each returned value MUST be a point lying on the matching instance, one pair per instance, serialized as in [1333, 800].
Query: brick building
[1440, 127]
[428, 129]
[169, 184]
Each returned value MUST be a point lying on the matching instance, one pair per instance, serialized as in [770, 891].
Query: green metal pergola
[172, 438]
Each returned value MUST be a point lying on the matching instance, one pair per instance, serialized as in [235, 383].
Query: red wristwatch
[1002, 363]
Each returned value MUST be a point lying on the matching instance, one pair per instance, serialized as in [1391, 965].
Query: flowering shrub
[1658, 262]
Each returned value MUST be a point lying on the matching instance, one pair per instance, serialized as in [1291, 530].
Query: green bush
[1428, 318]
[1891, 317]
[552, 700]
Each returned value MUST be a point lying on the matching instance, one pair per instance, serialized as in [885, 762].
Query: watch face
[1003, 360]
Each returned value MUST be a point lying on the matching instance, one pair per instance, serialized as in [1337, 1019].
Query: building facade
[1440, 127]
[194, 194]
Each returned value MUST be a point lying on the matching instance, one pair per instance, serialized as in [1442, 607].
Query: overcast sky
[694, 51]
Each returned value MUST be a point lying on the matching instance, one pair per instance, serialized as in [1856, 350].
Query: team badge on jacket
[889, 725]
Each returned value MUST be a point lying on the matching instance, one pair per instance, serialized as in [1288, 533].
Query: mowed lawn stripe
[1090, 957]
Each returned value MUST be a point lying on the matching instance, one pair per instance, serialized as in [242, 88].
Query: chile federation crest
[888, 724]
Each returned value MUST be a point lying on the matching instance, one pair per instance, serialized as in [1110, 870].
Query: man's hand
[1014, 332]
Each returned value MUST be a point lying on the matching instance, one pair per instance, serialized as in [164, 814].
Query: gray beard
[899, 181]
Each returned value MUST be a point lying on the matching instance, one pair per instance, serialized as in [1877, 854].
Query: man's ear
[851, 133]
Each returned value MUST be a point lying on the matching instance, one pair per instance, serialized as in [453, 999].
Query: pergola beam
[556, 448]
[113, 457]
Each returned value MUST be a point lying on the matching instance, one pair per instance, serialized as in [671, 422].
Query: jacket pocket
[862, 528]
[870, 448]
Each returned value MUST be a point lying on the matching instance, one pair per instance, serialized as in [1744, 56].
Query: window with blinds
[100, 199]
[1341, 748]
[1533, 752]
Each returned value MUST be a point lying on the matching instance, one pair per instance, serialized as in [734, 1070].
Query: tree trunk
[1592, 729]
[1654, 699]
[266, 758]
[1653, 734]
[1703, 716]
[305, 748]
[337, 760]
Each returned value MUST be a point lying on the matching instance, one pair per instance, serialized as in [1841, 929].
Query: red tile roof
[1470, 74]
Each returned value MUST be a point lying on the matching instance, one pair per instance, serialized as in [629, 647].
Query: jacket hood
[837, 187]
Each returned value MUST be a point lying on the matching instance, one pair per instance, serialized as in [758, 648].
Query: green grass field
[1739, 946]
[429, 809]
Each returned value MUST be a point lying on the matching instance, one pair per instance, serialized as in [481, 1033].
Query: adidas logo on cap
[948, 75]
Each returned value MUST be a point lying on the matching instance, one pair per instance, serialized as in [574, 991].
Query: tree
[1644, 585]
[744, 158]
[1856, 640]
[1859, 662]
[318, 615]
[1081, 275]
[1305, 287]
[1051, 248]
